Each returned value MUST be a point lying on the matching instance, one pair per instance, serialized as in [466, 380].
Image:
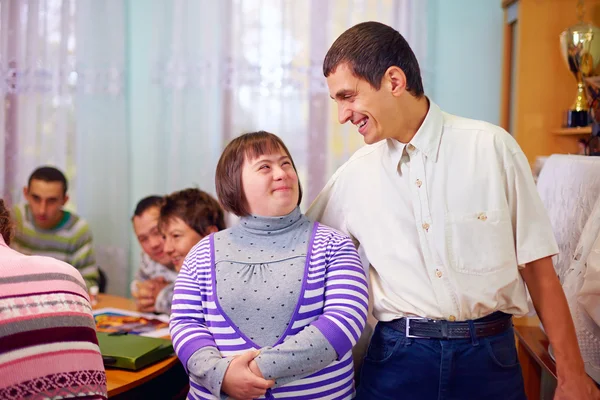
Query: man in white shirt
[154, 281]
[448, 215]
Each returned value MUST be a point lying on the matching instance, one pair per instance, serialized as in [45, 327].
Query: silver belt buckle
[408, 335]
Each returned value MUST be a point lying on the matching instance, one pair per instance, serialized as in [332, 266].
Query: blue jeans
[401, 368]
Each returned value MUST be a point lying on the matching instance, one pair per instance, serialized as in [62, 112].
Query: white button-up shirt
[445, 220]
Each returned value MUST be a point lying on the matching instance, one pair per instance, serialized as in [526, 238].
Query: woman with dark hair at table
[186, 216]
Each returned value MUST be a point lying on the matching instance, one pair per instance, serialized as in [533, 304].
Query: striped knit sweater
[333, 299]
[70, 241]
[48, 344]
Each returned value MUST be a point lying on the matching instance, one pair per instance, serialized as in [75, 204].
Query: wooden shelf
[585, 131]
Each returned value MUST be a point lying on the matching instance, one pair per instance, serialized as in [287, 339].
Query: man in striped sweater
[48, 344]
[44, 228]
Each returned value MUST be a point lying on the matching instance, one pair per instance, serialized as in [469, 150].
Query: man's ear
[65, 199]
[25, 191]
[395, 80]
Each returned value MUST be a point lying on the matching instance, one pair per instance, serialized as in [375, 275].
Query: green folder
[132, 352]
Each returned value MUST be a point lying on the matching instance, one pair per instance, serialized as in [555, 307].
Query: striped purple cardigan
[334, 299]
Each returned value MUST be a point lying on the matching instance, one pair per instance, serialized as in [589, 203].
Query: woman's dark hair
[198, 209]
[6, 224]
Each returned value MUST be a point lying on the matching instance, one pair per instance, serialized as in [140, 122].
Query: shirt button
[410, 147]
[482, 217]
[426, 227]
[452, 318]
[418, 183]
[438, 273]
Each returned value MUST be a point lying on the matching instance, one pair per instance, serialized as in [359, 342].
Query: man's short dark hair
[369, 49]
[146, 203]
[49, 174]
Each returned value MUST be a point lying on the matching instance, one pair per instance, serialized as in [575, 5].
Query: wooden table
[120, 382]
[536, 363]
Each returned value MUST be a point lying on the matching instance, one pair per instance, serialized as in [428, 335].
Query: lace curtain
[277, 82]
[249, 65]
[137, 97]
[37, 40]
[63, 64]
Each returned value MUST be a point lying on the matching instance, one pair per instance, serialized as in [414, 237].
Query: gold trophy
[580, 47]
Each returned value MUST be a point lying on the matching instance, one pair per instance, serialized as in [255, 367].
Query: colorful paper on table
[111, 320]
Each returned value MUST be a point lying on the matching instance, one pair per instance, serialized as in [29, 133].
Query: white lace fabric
[570, 189]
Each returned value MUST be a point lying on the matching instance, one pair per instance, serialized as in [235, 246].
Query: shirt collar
[426, 140]
[428, 137]
[395, 151]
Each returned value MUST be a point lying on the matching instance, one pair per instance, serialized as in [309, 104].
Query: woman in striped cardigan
[48, 344]
[273, 306]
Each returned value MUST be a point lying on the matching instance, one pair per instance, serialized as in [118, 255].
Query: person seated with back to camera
[48, 343]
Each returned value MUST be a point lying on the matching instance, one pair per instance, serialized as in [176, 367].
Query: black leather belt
[416, 327]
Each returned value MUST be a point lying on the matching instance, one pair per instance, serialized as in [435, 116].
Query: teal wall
[464, 57]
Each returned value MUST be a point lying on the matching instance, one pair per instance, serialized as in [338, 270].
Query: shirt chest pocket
[480, 243]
